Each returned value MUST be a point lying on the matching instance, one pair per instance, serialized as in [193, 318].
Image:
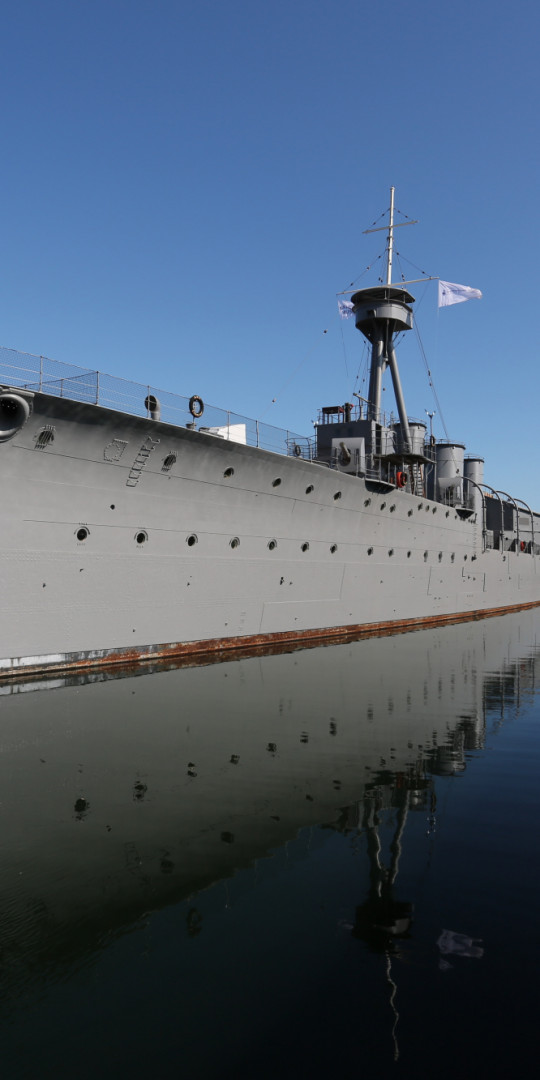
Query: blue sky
[185, 186]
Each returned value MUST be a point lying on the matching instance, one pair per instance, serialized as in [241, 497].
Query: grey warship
[138, 525]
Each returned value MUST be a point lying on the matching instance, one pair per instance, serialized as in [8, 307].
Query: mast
[381, 313]
[390, 239]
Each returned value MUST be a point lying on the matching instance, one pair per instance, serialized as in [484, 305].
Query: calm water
[323, 863]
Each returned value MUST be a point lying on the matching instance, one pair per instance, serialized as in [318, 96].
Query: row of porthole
[391, 552]
[337, 495]
[367, 502]
[271, 545]
[83, 533]
[229, 472]
[277, 481]
[141, 537]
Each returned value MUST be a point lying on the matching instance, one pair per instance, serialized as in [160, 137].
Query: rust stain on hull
[216, 650]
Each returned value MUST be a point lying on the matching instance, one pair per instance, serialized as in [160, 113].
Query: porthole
[383, 504]
[82, 533]
[333, 549]
[420, 506]
[465, 558]
[425, 556]
[440, 556]
[391, 552]
[272, 545]
[305, 547]
[191, 540]
[408, 554]
[337, 496]
[141, 537]
[427, 509]
[276, 482]
[452, 557]
[409, 513]
[235, 542]
[392, 508]
[370, 551]
[228, 473]
[447, 513]
[367, 502]
[309, 489]
[434, 511]
[168, 462]
[113, 507]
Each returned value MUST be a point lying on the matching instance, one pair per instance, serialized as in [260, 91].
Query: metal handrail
[42, 375]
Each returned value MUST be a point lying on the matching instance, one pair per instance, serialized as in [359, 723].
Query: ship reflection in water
[307, 864]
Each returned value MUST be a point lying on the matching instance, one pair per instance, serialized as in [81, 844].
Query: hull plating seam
[215, 648]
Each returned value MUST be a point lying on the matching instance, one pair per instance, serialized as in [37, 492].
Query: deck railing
[39, 373]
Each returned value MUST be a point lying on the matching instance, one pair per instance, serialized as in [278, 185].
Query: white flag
[345, 308]
[450, 293]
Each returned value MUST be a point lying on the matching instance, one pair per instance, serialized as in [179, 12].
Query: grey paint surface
[374, 555]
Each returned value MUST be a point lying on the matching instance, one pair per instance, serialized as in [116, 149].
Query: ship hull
[125, 538]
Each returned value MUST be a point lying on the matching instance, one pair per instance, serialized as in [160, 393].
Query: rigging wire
[399, 258]
[420, 271]
[352, 284]
[344, 349]
[396, 211]
[431, 383]
[360, 379]
[292, 376]
[373, 226]
[362, 372]
[380, 217]
[381, 256]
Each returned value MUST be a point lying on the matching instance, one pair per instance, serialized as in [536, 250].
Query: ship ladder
[417, 479]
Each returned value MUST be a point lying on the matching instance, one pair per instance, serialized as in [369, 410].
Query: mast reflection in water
[301, 864]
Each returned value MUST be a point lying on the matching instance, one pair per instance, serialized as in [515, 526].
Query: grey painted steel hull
[156, 573]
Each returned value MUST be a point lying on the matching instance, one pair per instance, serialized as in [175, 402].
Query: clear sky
[185, 185]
